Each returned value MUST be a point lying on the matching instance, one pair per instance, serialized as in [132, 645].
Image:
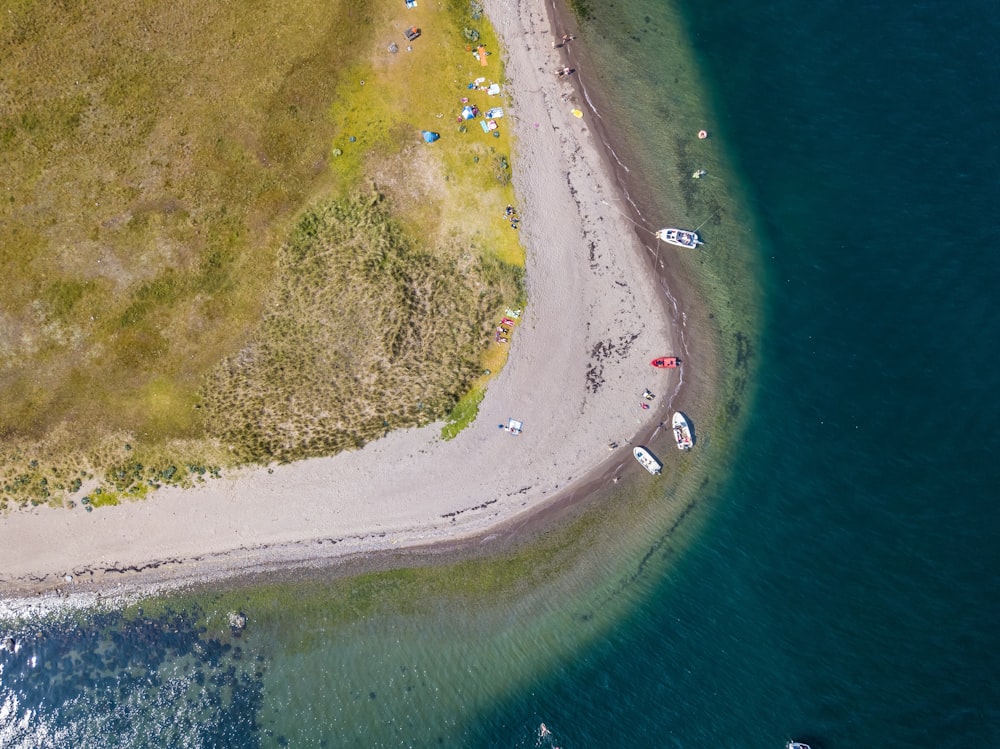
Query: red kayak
[666, 362]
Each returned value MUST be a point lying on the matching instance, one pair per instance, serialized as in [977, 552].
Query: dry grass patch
[141, 143]
[365, 332]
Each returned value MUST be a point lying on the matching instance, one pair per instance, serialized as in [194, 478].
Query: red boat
[666, 362]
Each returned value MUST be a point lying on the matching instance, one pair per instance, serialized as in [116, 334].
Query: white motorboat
[647, 460]
[679, 237]
[682, 432]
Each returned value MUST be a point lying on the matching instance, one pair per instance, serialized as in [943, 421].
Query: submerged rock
[237, 622]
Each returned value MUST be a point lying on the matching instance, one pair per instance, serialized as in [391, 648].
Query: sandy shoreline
[578, 366]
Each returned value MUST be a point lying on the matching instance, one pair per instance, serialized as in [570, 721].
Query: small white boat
[647, 460]
[679, 237]
[682, 432]
[797, 745]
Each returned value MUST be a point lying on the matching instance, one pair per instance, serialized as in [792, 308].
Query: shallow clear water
[842, 588]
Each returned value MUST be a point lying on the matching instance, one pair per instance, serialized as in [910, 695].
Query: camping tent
[430, 137]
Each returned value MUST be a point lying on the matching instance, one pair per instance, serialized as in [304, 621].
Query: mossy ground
[164, 165]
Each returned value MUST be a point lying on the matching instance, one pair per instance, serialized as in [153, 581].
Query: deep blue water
[844, 590]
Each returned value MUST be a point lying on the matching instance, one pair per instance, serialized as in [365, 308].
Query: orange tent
[482, 55]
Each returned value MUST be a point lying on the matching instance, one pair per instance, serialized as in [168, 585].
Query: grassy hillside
[223, 238]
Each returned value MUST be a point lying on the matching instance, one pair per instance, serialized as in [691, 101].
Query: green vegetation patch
[464, 413]
[174, 199]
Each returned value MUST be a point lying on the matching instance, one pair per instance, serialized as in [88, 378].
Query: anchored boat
[679, 237]
[797, 745]
[647, 460]
[682, 432]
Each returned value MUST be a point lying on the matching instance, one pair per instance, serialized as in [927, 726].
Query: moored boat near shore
[682, 432]
[666, 362]
[647, 460]
[679, 237]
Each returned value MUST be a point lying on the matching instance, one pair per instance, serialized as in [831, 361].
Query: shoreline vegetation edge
[588, 291]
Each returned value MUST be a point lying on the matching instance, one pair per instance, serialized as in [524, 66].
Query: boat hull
[679, 237]
[647, 460]
[682, 432]
[666, 362]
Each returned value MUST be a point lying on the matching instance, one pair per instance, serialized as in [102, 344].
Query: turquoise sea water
[842, 589]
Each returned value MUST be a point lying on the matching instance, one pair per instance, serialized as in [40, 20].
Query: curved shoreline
[590, 304]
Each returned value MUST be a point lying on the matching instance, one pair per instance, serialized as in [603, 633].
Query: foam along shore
[579, 364]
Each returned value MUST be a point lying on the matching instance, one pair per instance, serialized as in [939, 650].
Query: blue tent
[430, 137]
[469, 112]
